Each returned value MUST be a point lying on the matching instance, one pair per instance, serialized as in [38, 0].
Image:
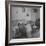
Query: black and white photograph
[25, 22]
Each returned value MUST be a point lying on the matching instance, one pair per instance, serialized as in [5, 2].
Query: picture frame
[37, 14]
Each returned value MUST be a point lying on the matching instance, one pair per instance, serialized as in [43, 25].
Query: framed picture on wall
[25, 22]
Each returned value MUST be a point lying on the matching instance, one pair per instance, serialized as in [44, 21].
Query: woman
[29, 30]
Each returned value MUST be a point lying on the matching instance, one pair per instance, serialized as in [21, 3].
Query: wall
[17, 13]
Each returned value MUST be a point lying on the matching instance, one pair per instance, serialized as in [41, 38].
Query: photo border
[6, 9]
